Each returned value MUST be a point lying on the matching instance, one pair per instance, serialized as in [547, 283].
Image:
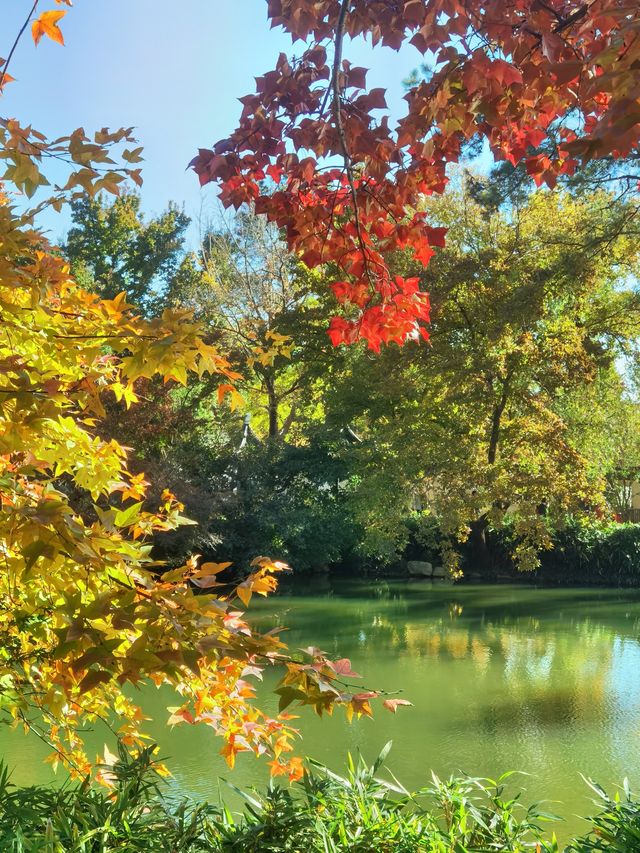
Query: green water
[501, 678]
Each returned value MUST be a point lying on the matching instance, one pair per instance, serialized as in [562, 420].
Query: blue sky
[173, 70]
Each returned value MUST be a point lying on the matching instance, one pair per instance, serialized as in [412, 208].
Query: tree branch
[337, 117]
[15, 44]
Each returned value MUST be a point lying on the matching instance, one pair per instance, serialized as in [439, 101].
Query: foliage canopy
[348, 189]
[84, 610]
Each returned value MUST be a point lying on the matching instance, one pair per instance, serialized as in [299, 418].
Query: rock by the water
[439, 572]
[474, 576]
[419, 569]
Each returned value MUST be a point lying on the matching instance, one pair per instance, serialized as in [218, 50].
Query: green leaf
[127, 516]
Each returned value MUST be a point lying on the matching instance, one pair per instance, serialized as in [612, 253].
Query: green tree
[529, 303]
[603, 420]
[113, 248]
[270, 485]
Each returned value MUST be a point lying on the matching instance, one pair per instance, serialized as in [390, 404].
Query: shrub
[425, 538]
[616, 828]
[88, 819]
[363, 814]
[583, 552]
[595, 553]
[287, 501]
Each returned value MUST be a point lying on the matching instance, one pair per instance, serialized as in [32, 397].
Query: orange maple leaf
[47, 25]
[393, 704]
[5, 78]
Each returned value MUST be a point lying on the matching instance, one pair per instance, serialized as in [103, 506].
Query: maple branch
[563, 24]
[15, 44]
[106, 337]
[51, 311]
[575, 16]
[278, 659]
[13, 391]
[335, 83]
[337, 115]
[34, 728]
[386, 207]
[553, 11]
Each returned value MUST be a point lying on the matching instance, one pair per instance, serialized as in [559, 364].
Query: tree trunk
[272, 409]
[480, 554]
[494, 437]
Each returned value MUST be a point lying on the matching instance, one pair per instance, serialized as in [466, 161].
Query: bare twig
[3, 75]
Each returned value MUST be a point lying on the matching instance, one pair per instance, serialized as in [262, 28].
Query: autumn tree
[349, 187]
[250, 291]
[84, 610]
[531, 305]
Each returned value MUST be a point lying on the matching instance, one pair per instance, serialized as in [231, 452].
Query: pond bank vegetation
[358, 812]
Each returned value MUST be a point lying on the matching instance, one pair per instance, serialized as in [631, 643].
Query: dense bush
[595, 553]
[425, 538]
[288, 502]
[583, 552]
[87, 819]
[325, 813]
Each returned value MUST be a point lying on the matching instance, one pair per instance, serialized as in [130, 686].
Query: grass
[325, 812]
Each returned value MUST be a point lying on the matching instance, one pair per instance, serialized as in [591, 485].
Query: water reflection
[545, 681]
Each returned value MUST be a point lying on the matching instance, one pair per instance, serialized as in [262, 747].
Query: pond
[545, 681]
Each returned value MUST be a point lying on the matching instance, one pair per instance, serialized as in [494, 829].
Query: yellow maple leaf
[244, 593]
[47, 25]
